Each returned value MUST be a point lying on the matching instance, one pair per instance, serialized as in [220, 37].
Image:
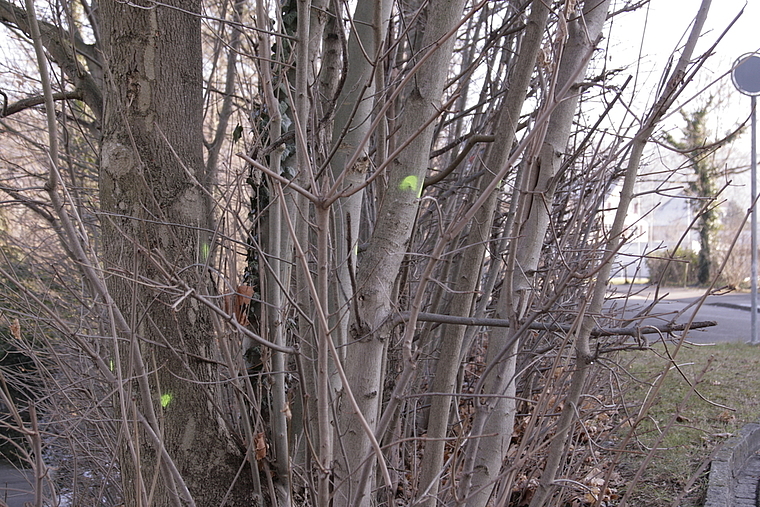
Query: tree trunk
[353, 120]
[495, 417]
[153, 242]
[379, 265]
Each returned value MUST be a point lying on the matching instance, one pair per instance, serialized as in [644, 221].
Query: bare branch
[559, 328]
[30, 102]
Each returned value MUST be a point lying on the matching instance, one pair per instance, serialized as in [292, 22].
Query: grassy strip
[728, 398]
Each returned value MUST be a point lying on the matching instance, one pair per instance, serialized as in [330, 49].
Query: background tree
[699, 151]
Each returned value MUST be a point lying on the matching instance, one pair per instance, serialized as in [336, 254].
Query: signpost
[746, 77]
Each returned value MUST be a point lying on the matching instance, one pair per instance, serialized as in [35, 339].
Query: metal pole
[746, 77]
[753, 175]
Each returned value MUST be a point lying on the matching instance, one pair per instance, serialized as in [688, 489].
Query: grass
[686, 431]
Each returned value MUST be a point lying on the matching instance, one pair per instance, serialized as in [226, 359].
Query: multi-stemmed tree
[405, 260]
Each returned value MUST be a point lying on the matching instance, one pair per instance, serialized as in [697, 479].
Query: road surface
[731, 311]
[15, 488]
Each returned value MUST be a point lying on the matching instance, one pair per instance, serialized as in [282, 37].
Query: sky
[650, 36]
[654, 32]
[657, 30]
[668, 21]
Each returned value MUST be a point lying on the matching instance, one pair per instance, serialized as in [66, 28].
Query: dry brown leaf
[242, 303]
[261, 446]
[726, 417]
[237, 304]
[16, 329]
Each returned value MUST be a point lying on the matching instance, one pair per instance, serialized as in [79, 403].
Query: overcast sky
[656, 31]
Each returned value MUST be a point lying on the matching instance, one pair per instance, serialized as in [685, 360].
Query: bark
[353, 119]
[151, 154]
[380, 263]
[312, 17]
[155, 224]
[583, 32]
[276, 239]
[496, 416]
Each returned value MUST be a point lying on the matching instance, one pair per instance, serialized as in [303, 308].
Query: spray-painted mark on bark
[412, 183]
[166, 398]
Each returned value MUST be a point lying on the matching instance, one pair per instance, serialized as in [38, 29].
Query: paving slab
[735, 471]
[746, 483]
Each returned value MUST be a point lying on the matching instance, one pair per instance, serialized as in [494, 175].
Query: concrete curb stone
[727, 465]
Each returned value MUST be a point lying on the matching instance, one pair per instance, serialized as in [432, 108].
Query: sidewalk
[739, 300]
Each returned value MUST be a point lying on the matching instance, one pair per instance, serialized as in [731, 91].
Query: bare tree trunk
[582, 34]
[350, 164]
[362, 257]
[496, 416]
[214, 147]
[380, 263]
[153, 212]
[277, 238]
[352, 126]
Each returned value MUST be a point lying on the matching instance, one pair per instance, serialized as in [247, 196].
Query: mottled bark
[151, 211]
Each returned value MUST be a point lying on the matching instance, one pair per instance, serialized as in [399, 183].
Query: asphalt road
[731, 311]
[15, 489]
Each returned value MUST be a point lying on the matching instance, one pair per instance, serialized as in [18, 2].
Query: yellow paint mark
[166, 398]
[412, 183]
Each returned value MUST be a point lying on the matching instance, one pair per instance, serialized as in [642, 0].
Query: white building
[655, 223]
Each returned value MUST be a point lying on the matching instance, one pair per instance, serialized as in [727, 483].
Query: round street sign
[746, 74]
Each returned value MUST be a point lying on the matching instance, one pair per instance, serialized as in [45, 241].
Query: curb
[727, 463]
[734, 306]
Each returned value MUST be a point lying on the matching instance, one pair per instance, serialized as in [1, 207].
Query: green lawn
[685, 425]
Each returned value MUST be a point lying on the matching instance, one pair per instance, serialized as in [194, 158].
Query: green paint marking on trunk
[411, 182]
[166, 398]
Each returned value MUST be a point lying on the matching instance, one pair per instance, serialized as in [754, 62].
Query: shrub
[18, 372]
[677, 268]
